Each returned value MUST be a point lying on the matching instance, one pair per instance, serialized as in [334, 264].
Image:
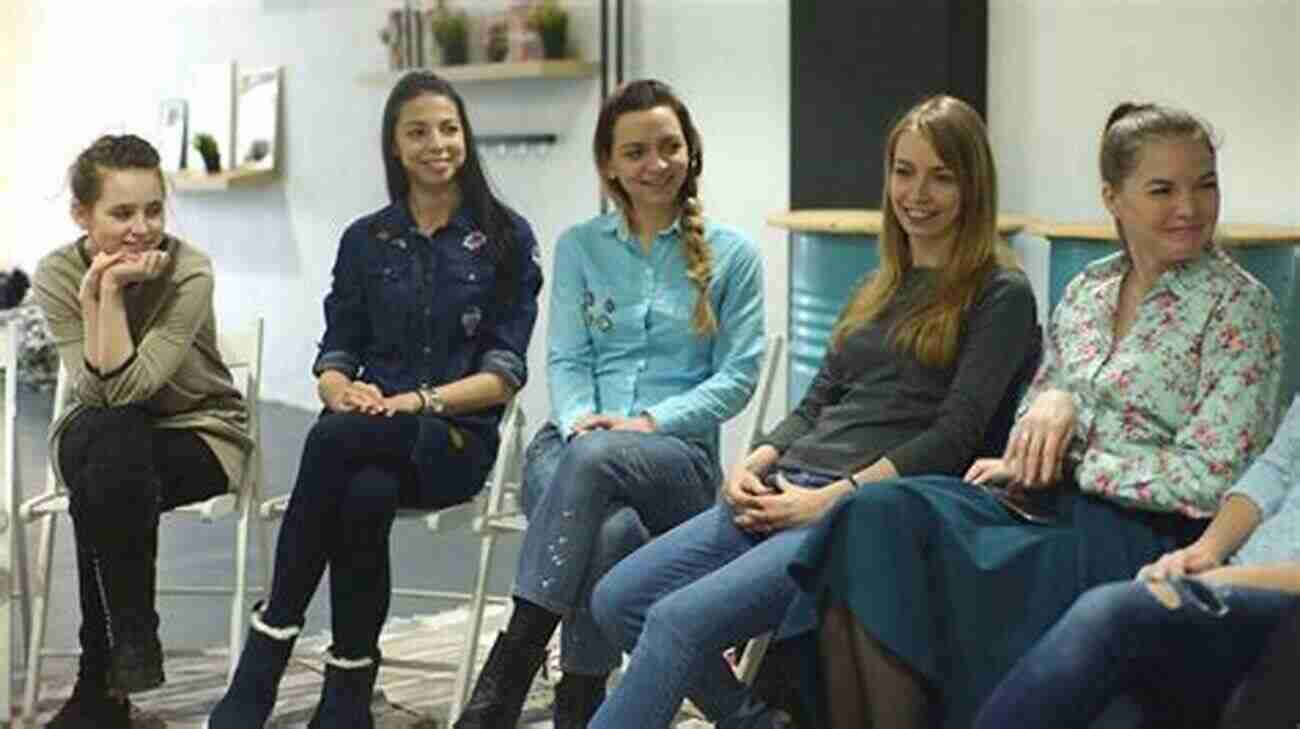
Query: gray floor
[190, 552]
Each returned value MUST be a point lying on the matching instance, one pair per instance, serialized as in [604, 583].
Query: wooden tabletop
[1236, 235]
[849, 221]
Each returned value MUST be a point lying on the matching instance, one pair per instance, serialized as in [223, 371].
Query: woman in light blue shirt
[656, 335]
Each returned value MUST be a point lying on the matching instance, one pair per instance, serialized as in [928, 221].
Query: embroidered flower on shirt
[474, 241]
[469, 320]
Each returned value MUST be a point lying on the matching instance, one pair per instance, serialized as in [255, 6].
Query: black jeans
[121, 472]
[356, 471]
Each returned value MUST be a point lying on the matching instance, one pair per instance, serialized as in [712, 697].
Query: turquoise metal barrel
[830, 252]
[1267, 251]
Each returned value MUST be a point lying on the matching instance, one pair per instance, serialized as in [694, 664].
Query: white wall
[106, 67]
[1057, 67]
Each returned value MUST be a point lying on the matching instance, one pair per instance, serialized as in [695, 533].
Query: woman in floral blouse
[1159, 387]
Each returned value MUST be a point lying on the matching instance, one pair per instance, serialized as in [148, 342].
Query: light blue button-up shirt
[1273, 483]
[620, 339]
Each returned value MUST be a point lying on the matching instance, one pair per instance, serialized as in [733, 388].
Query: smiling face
[1169, 205]
[924, 192]
[649, 159]
[129, 214]
[429, 140]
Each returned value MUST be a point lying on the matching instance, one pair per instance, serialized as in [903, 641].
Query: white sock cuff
[280, 634]
[350, 664]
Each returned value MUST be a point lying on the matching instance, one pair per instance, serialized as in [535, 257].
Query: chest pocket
[389, 297]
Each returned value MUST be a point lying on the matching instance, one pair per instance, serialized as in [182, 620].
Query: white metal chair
[242, 353]
[497, 501]
[756, 648]
[8, 472]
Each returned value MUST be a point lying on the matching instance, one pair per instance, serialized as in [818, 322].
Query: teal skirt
[959, 586]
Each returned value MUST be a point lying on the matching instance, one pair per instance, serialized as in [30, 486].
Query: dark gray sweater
[869, 400]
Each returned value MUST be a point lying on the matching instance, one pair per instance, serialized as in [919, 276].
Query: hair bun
[1124, 109]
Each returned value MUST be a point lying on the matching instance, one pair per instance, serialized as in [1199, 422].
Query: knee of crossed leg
[590, 459]
[115, 458]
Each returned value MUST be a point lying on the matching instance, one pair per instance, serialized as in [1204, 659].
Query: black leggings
[121, 472]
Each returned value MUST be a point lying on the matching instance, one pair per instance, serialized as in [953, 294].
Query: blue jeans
[591, 502]
[678, 602]
[1118, 642]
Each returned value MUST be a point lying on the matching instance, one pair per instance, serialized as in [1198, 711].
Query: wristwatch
[433, 402]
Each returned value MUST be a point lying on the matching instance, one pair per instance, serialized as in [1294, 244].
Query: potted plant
[552, 23]
[451, 30]
[498, 41]
[206, 145]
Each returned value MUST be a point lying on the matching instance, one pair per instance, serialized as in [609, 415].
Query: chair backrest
[1004, 418]
[763, 393]
[241, 351]
[8, 447]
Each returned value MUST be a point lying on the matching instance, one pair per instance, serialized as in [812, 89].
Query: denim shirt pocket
[471, 284]
[389, 291]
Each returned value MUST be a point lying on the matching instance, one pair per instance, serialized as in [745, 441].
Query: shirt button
[428, 350]
[428, 311]
[473, 277]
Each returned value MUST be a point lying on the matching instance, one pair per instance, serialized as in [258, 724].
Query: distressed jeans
[680, 601]
[1177, 666]
[590, 502]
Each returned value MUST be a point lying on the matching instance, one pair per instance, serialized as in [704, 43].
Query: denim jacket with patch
[408, 310]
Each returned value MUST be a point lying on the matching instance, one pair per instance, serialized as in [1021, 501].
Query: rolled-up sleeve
[347, 323]
[737, 353]
[507, 340]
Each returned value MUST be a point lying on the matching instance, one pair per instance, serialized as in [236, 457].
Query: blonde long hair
[930, 330]
[641, 96]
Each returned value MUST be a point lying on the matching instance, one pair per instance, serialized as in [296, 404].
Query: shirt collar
[1182, 279]
[397, 221]
[616, 223]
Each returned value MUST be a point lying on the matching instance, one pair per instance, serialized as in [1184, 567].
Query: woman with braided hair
[918, 364]
[655, 339]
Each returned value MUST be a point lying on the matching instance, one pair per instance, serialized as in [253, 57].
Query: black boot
[125, 560]
[91, 706]
[251, 696]
[502, 687]
[345, 697]
[576, 699]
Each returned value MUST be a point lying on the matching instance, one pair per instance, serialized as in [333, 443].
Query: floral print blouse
[1170, 415]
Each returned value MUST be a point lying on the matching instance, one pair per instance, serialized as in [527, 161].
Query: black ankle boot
[576, 699]
[345, 697]
[136, 663]
[251, 696]
[502, 687]
[91, 707]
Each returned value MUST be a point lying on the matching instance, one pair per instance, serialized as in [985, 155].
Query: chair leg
[21, 569]
[460, 694]
[750, 661]
[40, 598]
[238, 596]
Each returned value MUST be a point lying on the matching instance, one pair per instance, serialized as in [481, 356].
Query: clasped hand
[600, 421]
[761, 510]
[120, 268]
[1035, 453]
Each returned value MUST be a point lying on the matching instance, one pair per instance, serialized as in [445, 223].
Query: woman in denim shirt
[427, 329]
[656, 334]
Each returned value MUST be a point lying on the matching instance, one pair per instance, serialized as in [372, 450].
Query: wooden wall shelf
[487, 72]
[193, 181]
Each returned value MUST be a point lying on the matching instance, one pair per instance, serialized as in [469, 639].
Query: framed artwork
[171, 134]
[257, 107]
